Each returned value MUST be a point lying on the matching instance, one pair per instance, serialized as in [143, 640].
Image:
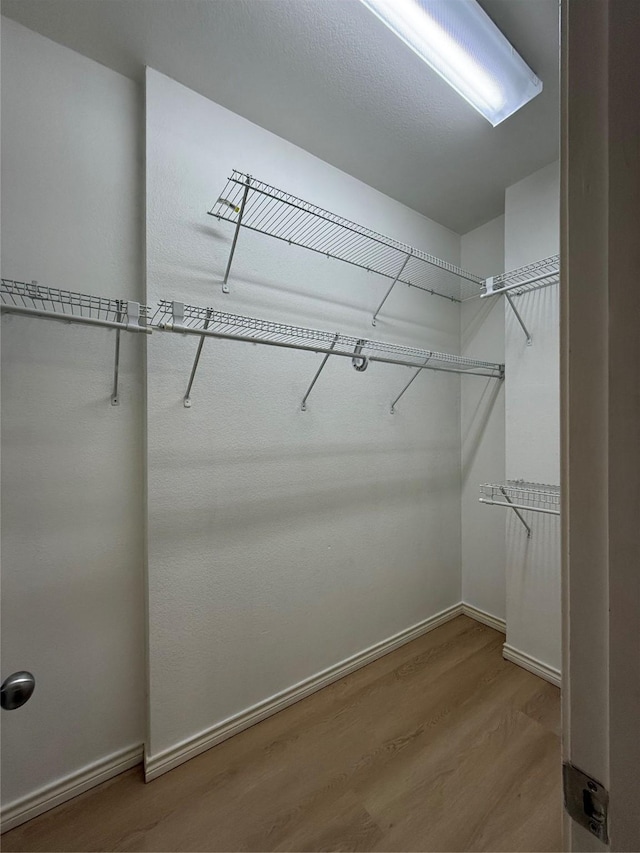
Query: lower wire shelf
[50, 303]
[520, 495]
[208, 322]
[34, 299]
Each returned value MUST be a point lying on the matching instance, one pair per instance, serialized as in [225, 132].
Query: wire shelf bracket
[34, 300]
[208, 322]
[520, 495]
[247, 202]
[523, 280]
[303, 405]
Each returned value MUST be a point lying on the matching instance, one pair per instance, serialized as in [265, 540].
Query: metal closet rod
[207, 322]
[250, 203]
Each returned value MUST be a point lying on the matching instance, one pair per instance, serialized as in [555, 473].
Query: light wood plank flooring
[439, 746]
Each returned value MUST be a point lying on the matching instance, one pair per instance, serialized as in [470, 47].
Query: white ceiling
[328, 76]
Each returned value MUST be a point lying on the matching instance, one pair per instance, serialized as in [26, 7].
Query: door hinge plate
[586, 801]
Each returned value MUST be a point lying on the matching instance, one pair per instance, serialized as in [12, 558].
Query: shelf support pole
[225, 286]
[196, 361]
[406, 387]
[115, 401]
[393, 284]
[303, 406]
[517, 512]
[519, 319]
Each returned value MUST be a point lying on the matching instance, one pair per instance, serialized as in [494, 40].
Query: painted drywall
[483, 428]
[72, 487]
[282, 541]
[532, 407]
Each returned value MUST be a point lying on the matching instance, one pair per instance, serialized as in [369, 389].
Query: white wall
[72, 542]
[532, 232]
[281, 542]
[483, 428]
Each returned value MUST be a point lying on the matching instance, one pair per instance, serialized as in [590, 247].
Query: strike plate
[586, 801]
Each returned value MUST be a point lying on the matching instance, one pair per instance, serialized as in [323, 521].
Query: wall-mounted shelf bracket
[115, 401]
[240, 211]
[517, 512]
[406, 387]
[303, 405]
[519, 319]
[393, 284]
[196, 361]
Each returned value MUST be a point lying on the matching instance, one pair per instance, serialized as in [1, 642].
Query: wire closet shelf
[519, 495]
[523, 280]
[36, 300]
[250, 203]
[194, 319]
[207, 322]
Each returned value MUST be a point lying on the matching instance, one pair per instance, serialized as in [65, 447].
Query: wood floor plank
[440, 745]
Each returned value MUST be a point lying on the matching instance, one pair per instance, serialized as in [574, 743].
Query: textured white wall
[483, 428]
[281, 542]
[72, 543]
[532, 232]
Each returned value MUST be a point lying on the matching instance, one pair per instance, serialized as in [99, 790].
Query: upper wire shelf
[525, 279]
[34, 299]
[253, 204]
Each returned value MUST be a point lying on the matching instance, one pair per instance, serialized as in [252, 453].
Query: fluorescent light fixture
[462, 44]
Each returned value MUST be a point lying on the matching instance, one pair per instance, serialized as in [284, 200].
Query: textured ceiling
[328, 76]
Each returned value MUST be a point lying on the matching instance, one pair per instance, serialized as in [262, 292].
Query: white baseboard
[22, 810]
[532, 664]
[46, 798]
[156, 765]
[484, 617]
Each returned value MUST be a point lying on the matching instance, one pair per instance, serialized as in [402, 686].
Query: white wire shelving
[519, 495]
[208, 322]
[250, 203]
[35, 300]
[523, 280]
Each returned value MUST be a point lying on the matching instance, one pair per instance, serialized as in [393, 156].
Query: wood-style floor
[440, 745]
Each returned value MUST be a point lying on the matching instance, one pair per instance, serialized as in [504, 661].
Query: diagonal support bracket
[225, 280]
[406, 387]
[519, 319]
[303, 405]
[196, 361]
[393, 284]
[115, 400]
[517, 512]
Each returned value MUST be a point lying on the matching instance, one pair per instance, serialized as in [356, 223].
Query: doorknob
[16, 689]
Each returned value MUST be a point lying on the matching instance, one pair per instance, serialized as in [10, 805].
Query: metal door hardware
[16, 689]
[586, 801]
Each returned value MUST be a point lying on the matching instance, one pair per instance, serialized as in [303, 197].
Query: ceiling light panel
[463, 45]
